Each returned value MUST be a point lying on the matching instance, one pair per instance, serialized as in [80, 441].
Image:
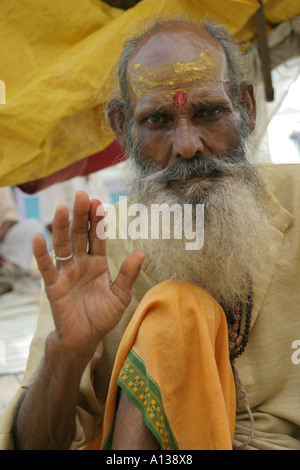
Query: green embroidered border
[145, 393]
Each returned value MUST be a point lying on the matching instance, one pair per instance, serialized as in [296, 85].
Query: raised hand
[86, 304]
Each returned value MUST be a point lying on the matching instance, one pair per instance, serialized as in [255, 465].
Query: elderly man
[137, 356]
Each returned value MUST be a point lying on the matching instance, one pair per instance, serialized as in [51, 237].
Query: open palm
[86, 304]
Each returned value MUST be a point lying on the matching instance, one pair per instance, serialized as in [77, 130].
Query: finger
[61, 236]
[128, 273]
[97, 244]
[44, 261]
[80, 223]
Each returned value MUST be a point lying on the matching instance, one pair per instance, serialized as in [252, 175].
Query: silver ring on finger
[66, 258]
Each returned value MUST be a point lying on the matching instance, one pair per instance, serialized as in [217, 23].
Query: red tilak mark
[180, 98]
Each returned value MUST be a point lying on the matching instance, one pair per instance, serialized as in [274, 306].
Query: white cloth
[16, 246]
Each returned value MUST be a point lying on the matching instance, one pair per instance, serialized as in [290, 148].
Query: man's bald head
[209, 31]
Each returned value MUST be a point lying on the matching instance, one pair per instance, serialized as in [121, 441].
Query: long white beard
[238, 234]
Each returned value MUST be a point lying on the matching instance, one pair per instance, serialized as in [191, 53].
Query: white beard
[238, 235]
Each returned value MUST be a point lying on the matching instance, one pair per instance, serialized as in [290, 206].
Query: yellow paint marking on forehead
[174, 74]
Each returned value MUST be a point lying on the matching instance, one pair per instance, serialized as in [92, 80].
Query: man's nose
[187, 141]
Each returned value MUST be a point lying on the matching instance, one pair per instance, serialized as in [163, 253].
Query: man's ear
[116, 119]
[248, 102]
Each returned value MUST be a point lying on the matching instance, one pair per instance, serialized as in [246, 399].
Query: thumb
[129, 270]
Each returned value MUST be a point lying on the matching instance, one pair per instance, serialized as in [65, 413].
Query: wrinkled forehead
[171, 62]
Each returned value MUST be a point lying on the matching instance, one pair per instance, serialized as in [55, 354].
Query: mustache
[213, 167]
[196, 168]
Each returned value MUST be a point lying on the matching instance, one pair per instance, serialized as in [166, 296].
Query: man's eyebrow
[151, 109]
[211, 103]
[198, 104]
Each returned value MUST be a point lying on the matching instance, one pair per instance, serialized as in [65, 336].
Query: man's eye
[156, 120]
[209, 112]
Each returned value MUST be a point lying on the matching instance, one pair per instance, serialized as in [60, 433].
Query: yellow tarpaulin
[56, 60]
